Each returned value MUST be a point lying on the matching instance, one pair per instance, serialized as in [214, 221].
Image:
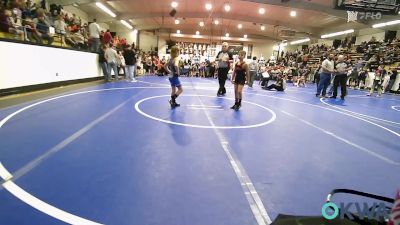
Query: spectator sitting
[60, 28]
[7, 25]
[78, 39]
[43, 28]
[303, 72]
[30, 28]
[280, 84]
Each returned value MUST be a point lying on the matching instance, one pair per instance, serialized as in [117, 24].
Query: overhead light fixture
[197, 32]
[299, 41]
[293, 13]
[240, 26]
[126, 24]
[178, 31]
[201, 24]
[105, 9]
[174, 4]
[208, 6]
[261, 11]
[227, 35]
[386, 24]
[227, 8]
[337, 33]
[216, 22]
[176, 21]
[262, 27]
[75, 4]
[245, 36]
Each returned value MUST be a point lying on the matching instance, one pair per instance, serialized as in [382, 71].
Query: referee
[224, 59]
[340, 78]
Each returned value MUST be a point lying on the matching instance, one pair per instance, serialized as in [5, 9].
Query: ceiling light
[261, 10]
[293, 13]
[386, 24]
[216, 22]
[300, 41]
[75, 4]
[176, 21]
[227, 8]
[227, 35]
[197, 33]
[201, 24]
[174, 4]
[240, 26]
[245, 36]
[105, 9]
[337, 33]
[262, 27]
[208, 6]
[178, 31]
[126, 24]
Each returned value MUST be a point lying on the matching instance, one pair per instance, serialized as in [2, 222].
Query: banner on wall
[235, 49]
[250, 51]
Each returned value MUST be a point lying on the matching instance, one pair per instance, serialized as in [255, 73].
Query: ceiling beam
[305, 5]
[329, 10]
[267, 22]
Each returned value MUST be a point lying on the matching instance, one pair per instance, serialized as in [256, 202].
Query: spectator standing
[103, 62]
[130, 61]
[111, 58]
[327, 68]
[94, 35]
[393, 76]
[377, 81]
[107, 38]
[253, 71]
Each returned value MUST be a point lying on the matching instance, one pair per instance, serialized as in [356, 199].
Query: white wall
[104, 26]
[43, 65]
[147, 41]
[162, 47]
[263, 49]
[130, 36]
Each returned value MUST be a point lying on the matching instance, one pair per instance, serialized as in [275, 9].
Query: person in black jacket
[130, 62]
[103, 62]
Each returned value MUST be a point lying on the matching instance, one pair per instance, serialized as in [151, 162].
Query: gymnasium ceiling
[314, 17]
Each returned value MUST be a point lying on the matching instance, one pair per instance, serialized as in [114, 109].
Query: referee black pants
[222, 76]
[340, 79]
